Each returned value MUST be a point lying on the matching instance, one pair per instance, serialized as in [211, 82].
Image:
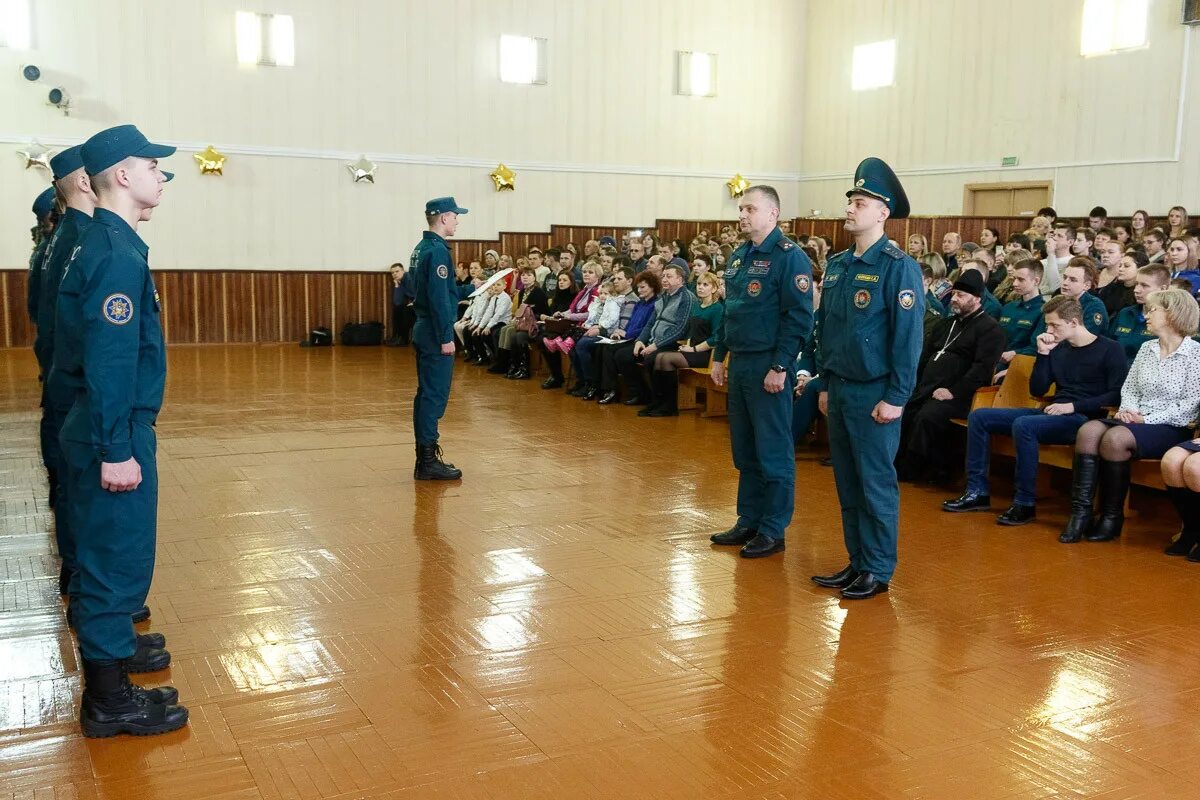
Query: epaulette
[838, 254]
[786, 244]
[894, 252]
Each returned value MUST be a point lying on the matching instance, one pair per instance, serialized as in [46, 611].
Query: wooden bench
[693, 382]
[1014, 393]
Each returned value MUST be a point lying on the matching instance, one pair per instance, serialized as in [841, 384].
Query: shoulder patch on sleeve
[443, 271]
[908, 299]
[118, 309]
[803, 283]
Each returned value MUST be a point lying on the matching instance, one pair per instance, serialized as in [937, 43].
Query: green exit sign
[1010, 161]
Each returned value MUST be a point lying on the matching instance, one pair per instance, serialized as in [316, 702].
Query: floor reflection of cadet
[768, 318]
[436, 296]
[109, 348]
[869, 327]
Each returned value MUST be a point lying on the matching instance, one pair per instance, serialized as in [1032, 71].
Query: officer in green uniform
[431, 269]
[109, 349]
[45, 214]
[768, 318]
[1129, 329]
[1020, 316]
[869, 326]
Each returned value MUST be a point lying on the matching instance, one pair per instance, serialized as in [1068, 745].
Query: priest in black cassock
[960, 355]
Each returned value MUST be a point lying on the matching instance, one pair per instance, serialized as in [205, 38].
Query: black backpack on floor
[356, 334]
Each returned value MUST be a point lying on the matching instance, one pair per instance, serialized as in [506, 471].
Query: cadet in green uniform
[431, 269]
[1129, 325]
[1020, 317]
[109, 350]
[1078, 278]
[869, 327]
[768, 318]
[72, 184]
[45, 214]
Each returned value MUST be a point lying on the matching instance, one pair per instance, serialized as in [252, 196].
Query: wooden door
[1005, 199]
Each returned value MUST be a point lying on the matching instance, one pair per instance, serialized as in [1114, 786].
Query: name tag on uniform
[759, 268]
[829, 280]
[1024, 323]
[862, 276]
[1124, 330]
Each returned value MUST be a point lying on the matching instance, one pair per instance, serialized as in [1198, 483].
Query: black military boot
[141, 615]
[666, 386]
[112, 705]
[52, 476]
[430, 466]
[154, 641]
[148, 659]
[1083, 497]
[1114, 487]
[1186, 505]
[64, 580]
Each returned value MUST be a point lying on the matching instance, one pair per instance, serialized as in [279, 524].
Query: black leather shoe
[737, 535]
[553, 383]
[761, 546]
[578, 390]
[838, 580]
[969, 501]
[827, 461]
[636, 400]
[591, 393]
[1017, 514]
[112, 705]
[152, 641]
[864, 586]
[607, 399]
[141, 615]
[147, 659]
[1180, 547]
[662, 411]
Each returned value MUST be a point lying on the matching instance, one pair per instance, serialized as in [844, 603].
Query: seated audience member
[574, 315]
[1182, 263]
[1049, 213]
[1154, 243]
[1015, 242]
[982, 265]
[951, 242]
[1120, 292]
[1058, 254]
[1181, 474]
[1124, 234]
[1129, 327]
[585, 358]
[806, 395]
[512, 355]
[551, 323]
[1078, 277]
[604, 370]
[498, 313]
[672, 310]
[1097, 218]
[607, 261]
[1087, 371]
[403, 315]
[918, 245]
[1022, 316]
[934, 310]
[1039, 227]
[1159, 402]
[1177, 220]
[1114, 283]
[604, 314]
[959, 356]
[1103, 237]
[1004, 292]
[1139, 225]
[567, 263]
[701, 335]
[491, 263]
[683, 266]
[476, 307]
[550, 259]
[989, 239]
[1084, 239]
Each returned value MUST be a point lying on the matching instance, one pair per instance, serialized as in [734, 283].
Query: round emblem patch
[443, 272]
[1096, 318]
[802, 283]
[908, 299]
[754, 288]
[118, 309]
[862, 298]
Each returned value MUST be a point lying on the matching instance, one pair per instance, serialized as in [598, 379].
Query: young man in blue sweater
[1087, 370]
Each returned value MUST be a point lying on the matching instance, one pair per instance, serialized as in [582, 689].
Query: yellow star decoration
[35, 155]
[504, 178]
[211, 162]
[362, 170]
[737, 185]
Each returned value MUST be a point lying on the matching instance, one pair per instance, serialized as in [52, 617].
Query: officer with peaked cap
[431, 269]
[44, 213]
[869, 330]
[107, 300]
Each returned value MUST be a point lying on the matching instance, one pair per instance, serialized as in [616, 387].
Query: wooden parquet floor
[557, 626]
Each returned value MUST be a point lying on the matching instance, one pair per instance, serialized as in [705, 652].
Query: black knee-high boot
[1083, 498]
[554, 364]
[1114, 487]
[1187, 505]
[666, 392]
[503, 362]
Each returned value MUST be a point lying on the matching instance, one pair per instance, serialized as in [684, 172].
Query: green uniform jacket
[1019, 318]
[66, 235]
[435, 292]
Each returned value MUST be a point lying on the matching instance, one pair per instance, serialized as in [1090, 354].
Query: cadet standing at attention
[768, 318]
[109, 349]
[869, 327]
[44, 213]
[431, 269]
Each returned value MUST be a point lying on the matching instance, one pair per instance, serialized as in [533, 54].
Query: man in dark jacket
[959, 356]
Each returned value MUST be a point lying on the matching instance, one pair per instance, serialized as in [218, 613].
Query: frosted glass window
[874, 65]
[1110, 26]
[522, 59]
[267, 40]
[697, 74]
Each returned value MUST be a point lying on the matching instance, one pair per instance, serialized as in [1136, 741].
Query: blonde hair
[935, 262]
[1183, 314]
[711, 279]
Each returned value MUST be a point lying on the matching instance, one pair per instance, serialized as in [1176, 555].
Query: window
[267, 40]
[696, 74]
[874, 65]
[522, 59]
[15, 24]
[1110, 26]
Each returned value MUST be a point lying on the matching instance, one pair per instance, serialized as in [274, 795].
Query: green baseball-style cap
[443, 205]
[876, 179]
[67, 162]
[44, 203]
[111, 146]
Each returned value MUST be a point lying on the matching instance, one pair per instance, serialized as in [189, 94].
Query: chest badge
[754, 288]
[802, 283]
[443, 272]
[862, 298]
[1096, 318]
[908, 299]
[118, 309]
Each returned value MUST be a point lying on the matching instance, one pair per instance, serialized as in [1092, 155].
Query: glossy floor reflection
[557, 626]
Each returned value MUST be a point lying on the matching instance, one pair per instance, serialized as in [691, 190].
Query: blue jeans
[1028, 428]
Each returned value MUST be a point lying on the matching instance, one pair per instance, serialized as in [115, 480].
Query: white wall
[606, 142]
[978, 80]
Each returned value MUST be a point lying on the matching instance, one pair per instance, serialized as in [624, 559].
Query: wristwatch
[778, 368]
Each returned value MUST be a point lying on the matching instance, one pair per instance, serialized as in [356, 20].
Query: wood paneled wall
[221, 307]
